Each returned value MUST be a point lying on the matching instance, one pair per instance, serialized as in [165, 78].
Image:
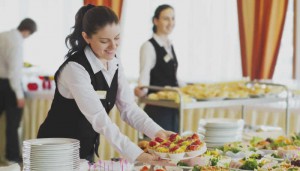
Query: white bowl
[161, 155]
[176, 156]
[197, 152]
[288, 154]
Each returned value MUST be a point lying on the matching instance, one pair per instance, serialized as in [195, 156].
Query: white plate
[210, 99]
[190, 133]
[28, 160]
[53, 166]
[256, 95]
[51, 169]
[213, 145]
[41, 168]
[35, 165]
[222, 123]
[50, 147]
[64, 168]
[25, 158]
[185, 157]
[58, 167]
[186, 167]
[221, 139]
[39, 159]
[32, 156]
[52, 152]
[51, 141]
[50, 144]
[73, 163]
[238, 155]
[273, 158]
[266, 152]
[222, 133]
[237, 98]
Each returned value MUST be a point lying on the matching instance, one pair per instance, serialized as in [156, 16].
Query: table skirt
[36, 110]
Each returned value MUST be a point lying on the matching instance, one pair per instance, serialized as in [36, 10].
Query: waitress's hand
[139, 92]
[153, 160]
[163, 134]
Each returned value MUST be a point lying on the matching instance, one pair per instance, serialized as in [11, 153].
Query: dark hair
[157, 12]
[89, 19]
[27, 24]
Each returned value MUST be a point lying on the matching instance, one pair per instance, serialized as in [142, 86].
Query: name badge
[101, 94]
[167, 58]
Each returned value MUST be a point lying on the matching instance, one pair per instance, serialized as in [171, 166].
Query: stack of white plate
[50, 154]
[219, 131]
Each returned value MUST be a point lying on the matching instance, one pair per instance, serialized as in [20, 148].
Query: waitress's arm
[131, 113]
[75, 82]
[147, 62]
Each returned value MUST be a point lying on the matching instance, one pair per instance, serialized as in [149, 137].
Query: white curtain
[205, 38]
[284, 66]
[54, 18]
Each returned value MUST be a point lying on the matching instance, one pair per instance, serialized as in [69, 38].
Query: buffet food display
[177, 147]
[281, 153]
[191, 153]
[219, 91]
[240, 93]
[248, 156]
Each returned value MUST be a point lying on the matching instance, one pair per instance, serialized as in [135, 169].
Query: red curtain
[260, 24]
[115, 5]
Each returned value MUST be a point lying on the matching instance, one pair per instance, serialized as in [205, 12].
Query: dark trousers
[8, 104]
[167, 118]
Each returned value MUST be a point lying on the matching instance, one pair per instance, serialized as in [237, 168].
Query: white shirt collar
[96, 64]
[161, 42]
[18, 34]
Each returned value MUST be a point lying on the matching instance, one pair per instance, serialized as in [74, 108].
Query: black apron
[163, 74]
[66, 120]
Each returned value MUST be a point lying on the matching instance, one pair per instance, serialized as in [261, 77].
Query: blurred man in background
[11, 93]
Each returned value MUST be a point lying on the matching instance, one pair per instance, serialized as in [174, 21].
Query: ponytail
[88, 19]
[75, 41]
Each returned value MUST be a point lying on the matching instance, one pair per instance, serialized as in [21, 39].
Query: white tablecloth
[37, 106]
[35, 112]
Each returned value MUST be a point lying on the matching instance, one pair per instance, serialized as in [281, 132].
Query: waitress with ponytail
[89, 83]
[158, 66]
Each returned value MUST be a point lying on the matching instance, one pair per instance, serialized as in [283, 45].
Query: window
[54, 18]
[205, 38]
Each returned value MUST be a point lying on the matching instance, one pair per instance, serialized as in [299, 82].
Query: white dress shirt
[74, 83]
[148, 59]
[11, 59]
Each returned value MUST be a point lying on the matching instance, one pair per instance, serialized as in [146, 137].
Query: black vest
[163, 73]
[66, 120]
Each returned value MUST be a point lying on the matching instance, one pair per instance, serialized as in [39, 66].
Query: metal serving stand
[217, 103]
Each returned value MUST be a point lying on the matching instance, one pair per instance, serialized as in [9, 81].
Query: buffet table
[247, 96]
[38, 104]
[35, 112]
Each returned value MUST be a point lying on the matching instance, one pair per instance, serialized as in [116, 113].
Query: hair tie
[88, 7]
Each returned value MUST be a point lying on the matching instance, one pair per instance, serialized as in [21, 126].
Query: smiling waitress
[89, 83]
[158, 66]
